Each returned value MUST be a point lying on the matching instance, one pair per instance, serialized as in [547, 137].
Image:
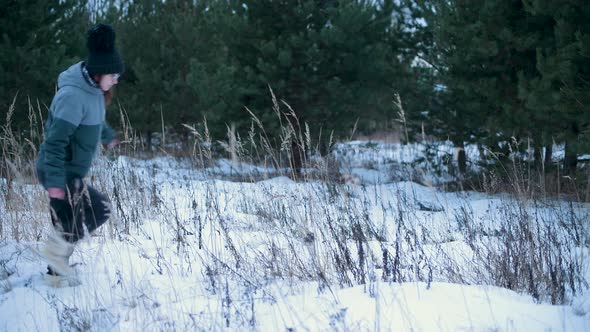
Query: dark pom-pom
[101, 39]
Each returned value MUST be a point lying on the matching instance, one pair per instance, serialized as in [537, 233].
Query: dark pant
[83, 206]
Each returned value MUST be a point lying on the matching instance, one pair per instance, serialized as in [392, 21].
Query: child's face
[107, 81]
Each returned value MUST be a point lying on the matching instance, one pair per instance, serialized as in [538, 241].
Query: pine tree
[188, 75]
[38, 40]
[484, 53]
[509, 70]
[333, 62]
[562, 93]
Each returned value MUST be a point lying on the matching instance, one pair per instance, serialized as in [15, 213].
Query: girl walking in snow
[75, 126]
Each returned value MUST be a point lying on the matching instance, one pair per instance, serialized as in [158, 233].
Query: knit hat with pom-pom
[103, 58]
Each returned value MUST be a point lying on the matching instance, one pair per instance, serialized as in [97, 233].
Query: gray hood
[73, 77]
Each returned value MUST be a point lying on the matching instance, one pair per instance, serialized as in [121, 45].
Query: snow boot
[53, 279]
[57, 252]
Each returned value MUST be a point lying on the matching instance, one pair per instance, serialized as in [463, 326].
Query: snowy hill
[193, 249]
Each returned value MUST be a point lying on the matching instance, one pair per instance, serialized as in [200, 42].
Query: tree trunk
[296, 156]
[462, 158]
[537, 153]
[148, 142]
[548, 154]
[297, 105]
[570, 161]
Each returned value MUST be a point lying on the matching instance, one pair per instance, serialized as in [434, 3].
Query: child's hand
[113, 143]
[57, 193]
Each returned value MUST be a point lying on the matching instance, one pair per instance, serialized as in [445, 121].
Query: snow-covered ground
[193, 249]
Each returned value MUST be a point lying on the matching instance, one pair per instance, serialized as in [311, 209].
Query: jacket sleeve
[66, 114]
[107, 134]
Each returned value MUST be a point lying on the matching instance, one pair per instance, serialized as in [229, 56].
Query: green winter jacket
[75, 126]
